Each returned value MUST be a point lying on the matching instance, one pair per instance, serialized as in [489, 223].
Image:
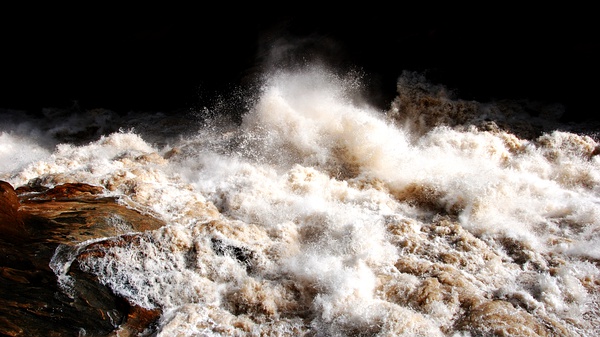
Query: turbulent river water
[316, 214]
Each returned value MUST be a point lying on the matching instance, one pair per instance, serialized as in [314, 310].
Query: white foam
[317, 214]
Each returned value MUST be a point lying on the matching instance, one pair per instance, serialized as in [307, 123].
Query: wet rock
[11, 223]
[69, 191]
[34, 222]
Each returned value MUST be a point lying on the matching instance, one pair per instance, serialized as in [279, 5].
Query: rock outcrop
[35, 221]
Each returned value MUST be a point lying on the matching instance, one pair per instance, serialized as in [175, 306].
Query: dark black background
[165, 59]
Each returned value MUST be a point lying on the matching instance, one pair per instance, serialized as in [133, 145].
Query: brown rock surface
[11, 224]
[34, 221]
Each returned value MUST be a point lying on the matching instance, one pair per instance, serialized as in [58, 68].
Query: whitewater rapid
[319, 215]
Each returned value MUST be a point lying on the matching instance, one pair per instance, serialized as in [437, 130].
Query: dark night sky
[166, 59]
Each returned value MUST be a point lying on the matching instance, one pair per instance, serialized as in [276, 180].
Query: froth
[317, 215]
[310, 119]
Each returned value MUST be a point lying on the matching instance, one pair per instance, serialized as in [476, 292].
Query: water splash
[319, 215]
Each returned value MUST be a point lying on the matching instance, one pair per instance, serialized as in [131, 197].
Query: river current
[316, 214]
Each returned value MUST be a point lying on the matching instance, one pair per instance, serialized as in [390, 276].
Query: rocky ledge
[34, 222]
